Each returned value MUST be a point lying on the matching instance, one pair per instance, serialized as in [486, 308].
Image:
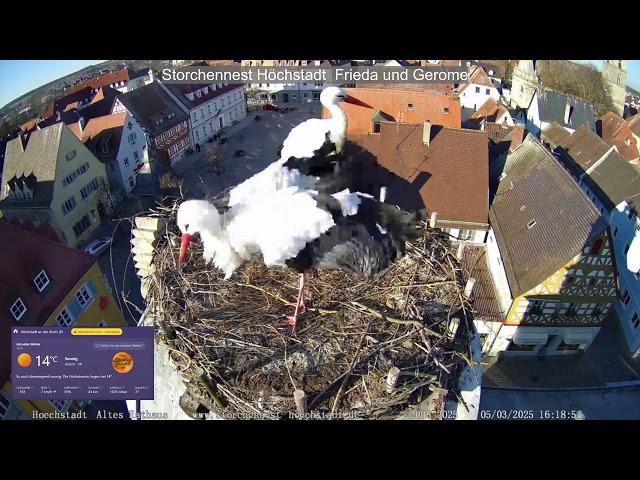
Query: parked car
[98, 246]
[270, 106]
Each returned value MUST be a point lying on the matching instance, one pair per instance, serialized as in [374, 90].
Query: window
[84, 297]
[136, 156]
[89, 188]
[71, 155]
[465, 235]
[571, 311]
[60, 405]
[514, 347]
[64, 318]
[445, 110]
[626, 297]
[126, 161]
[131, 184]
[477, 89]
[615, 231]
[592, 282]
[531, 224]
[376, 127]
[487, 91]
[4, 406]
[197, 135]
[69, 205]
[410, 107]
[41, 281]
[536, 306]
[630, 214]
[568, 346]
[82, 225]
[635, 321]
[18, 309]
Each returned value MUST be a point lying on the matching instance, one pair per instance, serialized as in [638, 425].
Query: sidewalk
[606, 364]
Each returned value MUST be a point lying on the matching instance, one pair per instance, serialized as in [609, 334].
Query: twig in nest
[348, 374]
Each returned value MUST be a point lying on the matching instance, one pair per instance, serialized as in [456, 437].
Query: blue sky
[633, 73]
[18, 77]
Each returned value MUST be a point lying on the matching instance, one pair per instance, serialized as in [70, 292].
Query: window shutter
[75, 309]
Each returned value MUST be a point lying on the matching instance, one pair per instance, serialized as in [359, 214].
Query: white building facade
[210, 107]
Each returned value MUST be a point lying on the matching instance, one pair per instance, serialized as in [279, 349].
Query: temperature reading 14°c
[46, 360]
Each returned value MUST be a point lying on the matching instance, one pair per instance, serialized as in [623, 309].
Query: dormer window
[41, 281]
[18, 309]
[531, 224]
[71, 155]
[568, 111]
[410, 107]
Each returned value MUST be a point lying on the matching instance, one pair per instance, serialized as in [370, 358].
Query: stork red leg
[299, 306]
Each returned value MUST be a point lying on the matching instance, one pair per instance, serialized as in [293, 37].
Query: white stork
[304, 141]
[299, 229]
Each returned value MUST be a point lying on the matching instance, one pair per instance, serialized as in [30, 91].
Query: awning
[530, 338]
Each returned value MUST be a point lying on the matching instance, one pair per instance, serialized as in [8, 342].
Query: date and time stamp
[503, 414]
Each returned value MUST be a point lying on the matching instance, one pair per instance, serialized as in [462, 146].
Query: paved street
[616, 404]
[122, 278]
[260, 141]
[606, 362]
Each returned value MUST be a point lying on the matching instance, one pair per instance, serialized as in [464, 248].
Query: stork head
[333, 95]
[196, 217]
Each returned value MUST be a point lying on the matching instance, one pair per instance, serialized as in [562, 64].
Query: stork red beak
[184, 249]
[355, 101]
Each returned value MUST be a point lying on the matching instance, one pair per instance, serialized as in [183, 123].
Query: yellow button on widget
[96, 331]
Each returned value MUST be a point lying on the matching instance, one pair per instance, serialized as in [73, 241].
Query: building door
[221, 121]
[285, 97]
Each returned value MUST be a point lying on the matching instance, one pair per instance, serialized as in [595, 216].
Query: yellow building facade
[101, 310]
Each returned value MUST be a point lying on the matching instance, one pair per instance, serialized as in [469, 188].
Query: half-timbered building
[546, 279]
[165, 124]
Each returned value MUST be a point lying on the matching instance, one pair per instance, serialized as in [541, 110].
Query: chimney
[151, 75]
[468, 288]
[567, 113]
[426, 133]
[433, 220]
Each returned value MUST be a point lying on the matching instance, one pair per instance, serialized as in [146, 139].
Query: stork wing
[306, 138]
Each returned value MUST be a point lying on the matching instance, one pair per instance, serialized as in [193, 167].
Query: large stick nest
[354, 331]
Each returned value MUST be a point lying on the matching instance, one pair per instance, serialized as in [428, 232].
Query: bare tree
[215, 153]
[583, 81]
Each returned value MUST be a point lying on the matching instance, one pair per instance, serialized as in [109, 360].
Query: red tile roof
[453, 170]
[118, 76]
[23, 255]
[400, 105]
[492, 110]
[517, 137]
[616, 132]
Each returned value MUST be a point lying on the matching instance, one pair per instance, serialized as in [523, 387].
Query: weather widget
[55, 363]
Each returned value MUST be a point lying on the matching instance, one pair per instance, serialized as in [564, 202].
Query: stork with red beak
[303, 142]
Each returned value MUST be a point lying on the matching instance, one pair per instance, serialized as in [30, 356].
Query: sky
[633, 72]
[18, 77]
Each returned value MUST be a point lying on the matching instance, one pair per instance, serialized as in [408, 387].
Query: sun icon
[24, 360]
